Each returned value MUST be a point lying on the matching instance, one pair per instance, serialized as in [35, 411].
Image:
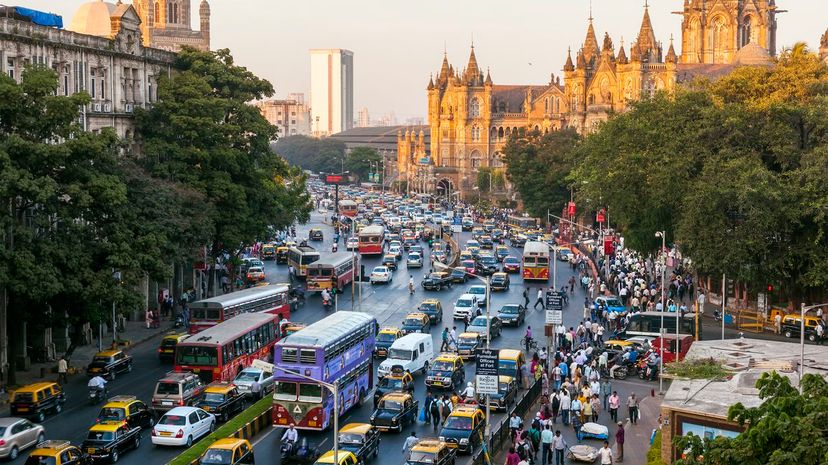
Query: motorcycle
[645, 372]
[326, 303]
[291, 453]
[96, 395]
[717, 315]
[618, 373]
[179, 321]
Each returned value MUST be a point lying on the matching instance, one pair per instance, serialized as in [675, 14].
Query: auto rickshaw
[281, 254]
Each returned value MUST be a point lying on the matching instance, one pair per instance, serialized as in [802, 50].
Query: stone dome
[94, 18]
[752, 54]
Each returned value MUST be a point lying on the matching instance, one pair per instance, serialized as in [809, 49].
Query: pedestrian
[410, 442]
[614, 403]
[606, 389]
[434, 410]
[559, 444]
[820, 333]
[512, 458]
[547, 436]
[466, 322]
[526, 297]
[63, 367]
[148, 318]
[566, 403]
[514, 425]
[576, 425]
[427, 408]
[453, 337]
[632, 405]
[777, 326]
[539, 300]
[556, 406]
[291, 273]
[619, 441]
[606, 454]
[596, 408]
[444, 346]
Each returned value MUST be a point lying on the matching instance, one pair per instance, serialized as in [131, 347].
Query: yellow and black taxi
[501, 252]
[222, 400]
[446, 371]
[361, 439]
[396, 380]
[499, 282]
[431, 452]
[126, 409]
[228, 451]
[416, 322]
[107, 441]
[390, 260]
[36, 400]
[436, 281]
[433, 308]
[282, 254]
[463, 428]
[58, 452]
[506, 394]
[268, 252]
[166, 349]
[109, 362]
[385, 338]
[395, 410]
[467, 344]
[345, 458]
[316, 234]
[510, 362]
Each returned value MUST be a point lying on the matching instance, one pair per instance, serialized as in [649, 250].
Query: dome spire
[569, 66]
[472, 70]
[646, 37]
[590, 46]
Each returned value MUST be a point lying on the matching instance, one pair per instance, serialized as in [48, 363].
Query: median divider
[245, 425]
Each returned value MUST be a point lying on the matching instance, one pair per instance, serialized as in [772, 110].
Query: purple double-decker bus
[336, 350]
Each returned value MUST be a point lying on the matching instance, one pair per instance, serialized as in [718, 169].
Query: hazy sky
[396, 43]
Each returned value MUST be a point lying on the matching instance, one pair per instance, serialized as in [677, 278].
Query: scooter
[179, 321]
[96, 395]
[326, 303]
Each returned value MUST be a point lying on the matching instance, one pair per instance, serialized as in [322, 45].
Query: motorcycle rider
[326, 298]
[652, 365]
[98, 384]
[468, 393]
[617, 361]
[290, 439]
[410, 284]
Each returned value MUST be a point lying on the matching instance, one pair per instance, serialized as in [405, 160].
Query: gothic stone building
[166, 24]
[470, 118]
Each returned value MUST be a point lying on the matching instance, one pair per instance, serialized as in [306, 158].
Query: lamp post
[335, 392]
[663, 236]
[803, 311]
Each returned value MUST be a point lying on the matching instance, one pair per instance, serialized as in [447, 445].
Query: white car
[381, 274]
[414, 260]
[478, 290]
[352, 243]
[182, 426]
[395, 250]
[465, 306]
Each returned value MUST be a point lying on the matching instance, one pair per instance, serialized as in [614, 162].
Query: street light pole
[663, 236]
[803, 311]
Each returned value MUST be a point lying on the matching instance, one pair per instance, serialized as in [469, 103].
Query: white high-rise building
[332, 91]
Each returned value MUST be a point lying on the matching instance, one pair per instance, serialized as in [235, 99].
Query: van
[176, 389]
[36, 400]
[412, 352]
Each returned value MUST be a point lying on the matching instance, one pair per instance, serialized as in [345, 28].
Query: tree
[788, 427]
[363, 160]
[538, 166]
[490, 179]
[311, 153]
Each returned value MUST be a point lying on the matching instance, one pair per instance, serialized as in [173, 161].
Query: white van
[412, 352]
[465, 306]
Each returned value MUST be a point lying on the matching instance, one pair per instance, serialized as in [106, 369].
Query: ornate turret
[569, 66]
[646, 37]
[590, 47]
[445, 71]
[472, 74]
[671, 52]
[622, 55]
[581, 60]
[635, 52]
[204, 15]
[488, 78]
[608, 51]
[430, 82]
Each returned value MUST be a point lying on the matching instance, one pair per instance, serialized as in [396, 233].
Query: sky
[397, 44]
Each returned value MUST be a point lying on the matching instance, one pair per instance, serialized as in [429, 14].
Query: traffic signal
[770, 287]
[731, 288]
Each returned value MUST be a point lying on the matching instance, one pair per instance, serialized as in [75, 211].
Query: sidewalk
[135, 332]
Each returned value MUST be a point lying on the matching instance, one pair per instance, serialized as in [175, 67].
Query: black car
[512, 314]
[486, 242]
[479, 325]
[486, 265]
[107, 441]
[437, 281]
[506, 394]
[395, 410]
[362, 439]
[109, 362]
[499, 282]
[222, 400]
[316, 234]
[458, 275]
[390, 260]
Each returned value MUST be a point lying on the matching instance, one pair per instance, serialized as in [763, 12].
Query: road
[388, 303]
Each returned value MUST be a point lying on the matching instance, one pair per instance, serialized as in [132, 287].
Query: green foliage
[363, 160]
[654, 452]
[310, 153]
[490, 179]
[786, 428]
[697, 369]
[538, 166]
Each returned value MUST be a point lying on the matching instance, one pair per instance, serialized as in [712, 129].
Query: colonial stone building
[823, 47]
[470, 118]
[166, 24]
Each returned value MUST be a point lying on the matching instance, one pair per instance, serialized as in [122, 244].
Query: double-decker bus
[218, 353]
[348, 208]
[523, 222]
[336, 270]
[336, 350]
[272, 298]
[536, 261]
[371, 239]
[648, 324]
[299, 257]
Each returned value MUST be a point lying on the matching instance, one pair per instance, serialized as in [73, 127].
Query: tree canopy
[312, 153]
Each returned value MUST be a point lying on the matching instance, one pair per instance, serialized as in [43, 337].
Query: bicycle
[529, 344]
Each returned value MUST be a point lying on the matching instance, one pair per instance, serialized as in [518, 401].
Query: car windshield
[23, 396]
[468, 339]
[167, 388]
[393, 383]
[100, 436]
[40, 460]
[510, 309]
[173, 420]
[428, 307]
[391, 405]
[414, 257]
[413, 322]
[613, 302]
[110, 413]
[247, 376]
[350, 438]
[488, 260]
[479, 321]
[464, 303]
[217, 457]
[458, 273]
[386, 337]
[400, 354]
[421, 457]
[461, 423]
[100, 359]
[506, 365]
[213, 397]
[196, 355]
[442, 365]
[477, 290]
[380, 269]
[511, 261]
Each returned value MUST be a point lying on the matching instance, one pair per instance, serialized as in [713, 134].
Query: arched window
[157, 13]
[717, 38]
[501, 107]
[474, 108]
[475, 133]
[500, 133]
[475, 159]
[591, 99]
[546, 105]
[537, 128]
[694, 41]
[508, 132]
[746, 37]
[494, 134]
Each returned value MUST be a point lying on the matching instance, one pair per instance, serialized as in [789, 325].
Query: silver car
[244, 380]
[414, 260]
[17, 434]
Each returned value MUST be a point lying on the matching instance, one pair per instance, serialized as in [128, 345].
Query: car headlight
[442, 438]
[464, 441]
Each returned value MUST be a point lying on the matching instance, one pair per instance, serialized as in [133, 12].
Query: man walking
[63, 367]
[559, 444]
[410, 442]
[526, 297]
[606, 454]
[614, 403]
[546, 445]
[632, 405]
[539, 300]
[619, 441]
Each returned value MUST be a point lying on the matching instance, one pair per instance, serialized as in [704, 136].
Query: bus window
[310, 392]
[195, 355]
[284, 391]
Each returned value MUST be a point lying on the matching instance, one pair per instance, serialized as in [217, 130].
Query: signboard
[425, 160]
[486, 362]
[456, 228]
[335, 179]
[761, 303]
[486, 384]
[601, 216]
[554, 317]
[554, 300]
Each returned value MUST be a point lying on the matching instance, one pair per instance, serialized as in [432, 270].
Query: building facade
[104, 56]
[470, 118]
[167, 24]
[332, 91]
[823, 47]
[291, 116]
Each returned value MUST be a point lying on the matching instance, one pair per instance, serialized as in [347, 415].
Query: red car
[468, 265]
[669, 353]
[511, 264]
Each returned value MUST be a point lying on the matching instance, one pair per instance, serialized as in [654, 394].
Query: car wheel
[115, 456]
[788, 333]
[13, 453]
[137, 441]
[129, 368]
[189, 441]
[58, 408]
[41, 417]
[212, 426]
[812, 337]
[438, 288]
[150, 422]
[40, 438]
[425, 367]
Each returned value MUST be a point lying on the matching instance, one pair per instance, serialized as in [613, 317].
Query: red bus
[336, 270]
[371, 240]
[272, 298]
[348, 208]
[218, 353]
[536, 261]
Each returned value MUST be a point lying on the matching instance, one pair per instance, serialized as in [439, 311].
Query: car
[385, 337]
[109, 362]
[431, 452]
[416, 323]
[446, 372]
[511, 264]
[459, 275]
[480, 325]
[465, 306]
[126, 409]
[361, 439]
[222, 400]
[463, 427]
[486, 264]
[486, 242]
[381, 274]
[228, 451]
[467, 224]
[436, 281]
[344, 458]
[611, 302]
[107, 441]
[181, 426]
[395, 410]
[501, 252]
[512, 314]
[468, 343]
[499, 282]
[397, 380]
[260, 372]
[478, 290]
[255, 274]
[315, 234]
[414, 260]
[433, 308]
[166, 349]
[396, 250]
[506, 394]
[469, 266]
[439, 256]
[497, 235]
[17, 434]
[466, 255]
[792, 326]
[389, 261]
[565, 255]
[176, 388]
[58, 452]
[473, 244]
[34, 401]
[475, 251]
[409, 242]
[352, 243]
[269, 252]
[412, 352]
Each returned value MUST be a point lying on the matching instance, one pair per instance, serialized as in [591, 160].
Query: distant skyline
[397, 45]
